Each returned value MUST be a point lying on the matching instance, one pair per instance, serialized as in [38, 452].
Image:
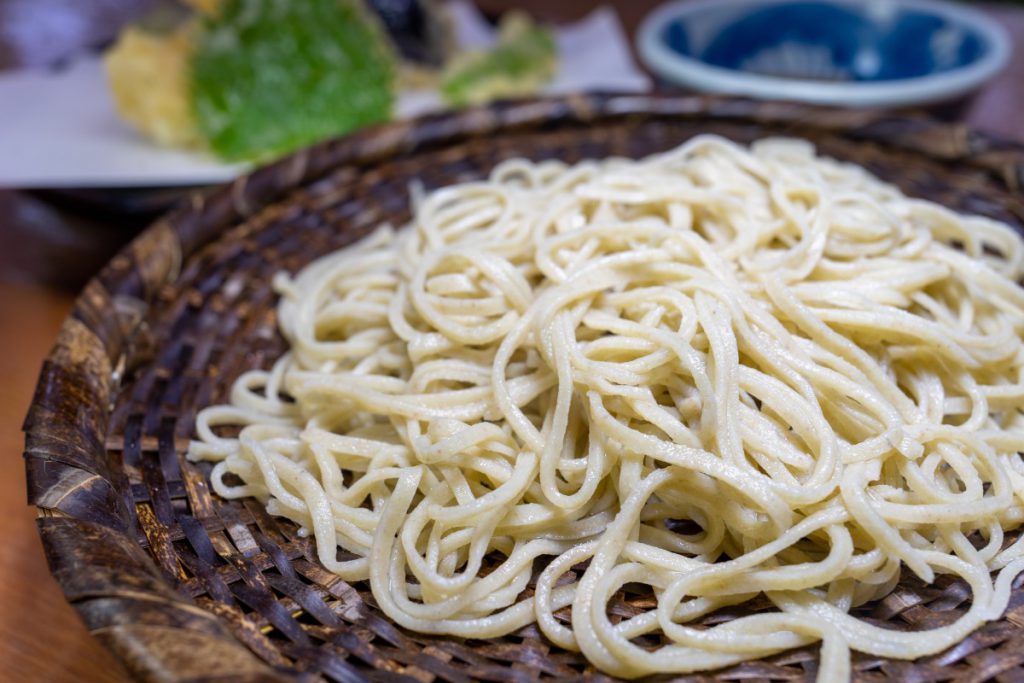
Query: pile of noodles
[719, 372]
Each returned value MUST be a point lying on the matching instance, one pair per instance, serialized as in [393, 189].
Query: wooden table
[41, 638]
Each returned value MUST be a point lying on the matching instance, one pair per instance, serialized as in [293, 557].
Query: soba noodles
[719, 372]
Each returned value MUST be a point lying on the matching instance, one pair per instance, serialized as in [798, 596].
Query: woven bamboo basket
[184, 586]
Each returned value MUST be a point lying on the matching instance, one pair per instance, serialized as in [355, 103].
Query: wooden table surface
[41, 638]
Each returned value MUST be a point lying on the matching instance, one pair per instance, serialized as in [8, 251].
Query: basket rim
[81, 497]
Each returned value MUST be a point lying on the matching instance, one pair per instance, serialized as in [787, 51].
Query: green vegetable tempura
[271, 76]
[522, 61]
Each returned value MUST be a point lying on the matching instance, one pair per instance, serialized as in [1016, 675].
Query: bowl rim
[688, 71]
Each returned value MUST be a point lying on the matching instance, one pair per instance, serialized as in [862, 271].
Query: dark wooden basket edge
[81, 500]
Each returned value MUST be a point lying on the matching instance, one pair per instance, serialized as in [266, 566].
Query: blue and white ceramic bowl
[864, 53]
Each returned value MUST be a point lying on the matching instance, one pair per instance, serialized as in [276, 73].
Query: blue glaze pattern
[830, 42]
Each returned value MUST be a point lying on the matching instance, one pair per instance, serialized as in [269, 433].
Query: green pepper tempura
[523, 60]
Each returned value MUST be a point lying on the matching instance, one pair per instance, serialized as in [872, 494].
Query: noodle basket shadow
[182, 585]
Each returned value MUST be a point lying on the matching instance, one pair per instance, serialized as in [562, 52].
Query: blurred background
[113, 110]
[102, 129]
